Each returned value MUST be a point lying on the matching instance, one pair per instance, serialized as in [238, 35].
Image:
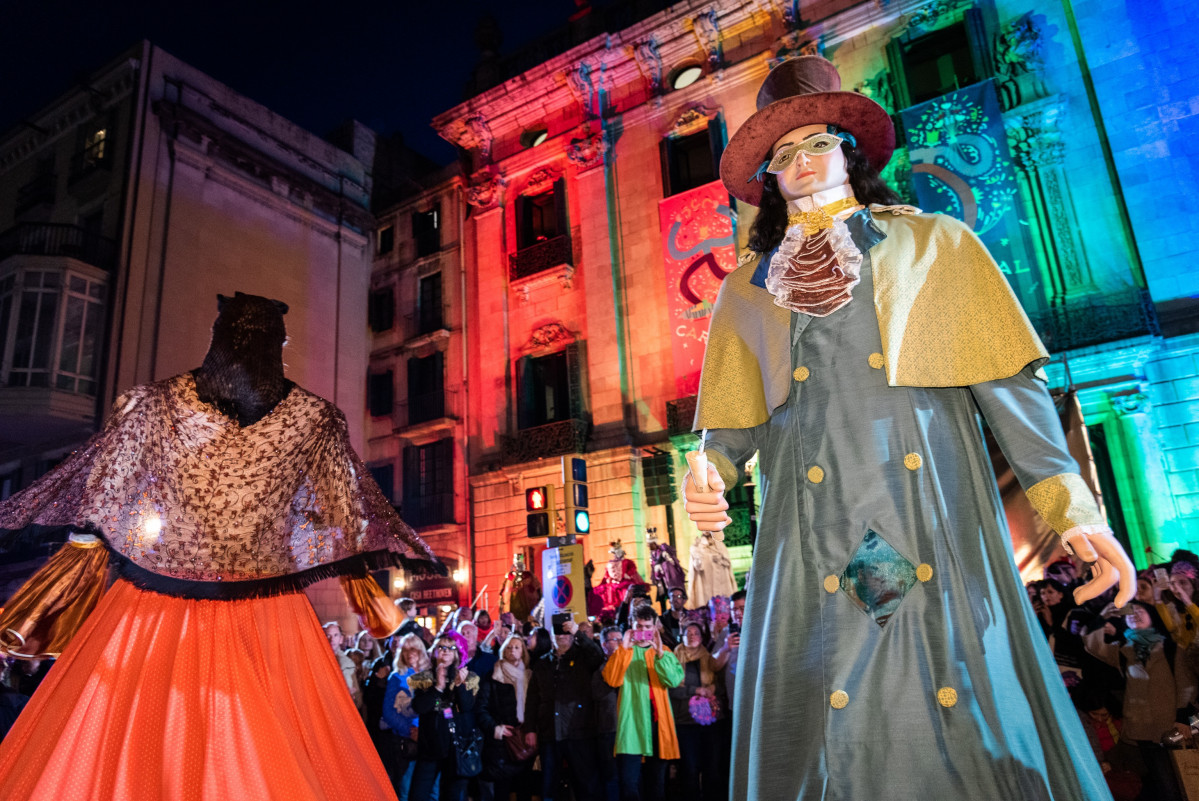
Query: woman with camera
[401, 722]
[444, 699]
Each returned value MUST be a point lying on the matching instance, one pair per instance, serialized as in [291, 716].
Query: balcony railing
[1095, 319]
[551, 439]
[41, 190]
[50, 239]
[542, 256]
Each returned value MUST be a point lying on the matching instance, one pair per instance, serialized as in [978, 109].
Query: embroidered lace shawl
[183, 495]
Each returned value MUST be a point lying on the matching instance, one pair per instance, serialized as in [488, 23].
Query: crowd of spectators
[1131, 672]
[637, 707]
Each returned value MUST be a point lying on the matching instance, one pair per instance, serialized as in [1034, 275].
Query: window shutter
[560, 208]
[525, 402]
[575, 358]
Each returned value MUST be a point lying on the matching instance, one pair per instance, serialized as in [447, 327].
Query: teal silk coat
[889, 650]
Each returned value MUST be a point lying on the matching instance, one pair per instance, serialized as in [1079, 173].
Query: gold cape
[946, 314]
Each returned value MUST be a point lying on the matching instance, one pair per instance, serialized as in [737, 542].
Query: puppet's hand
[1097, 544]
[706, 509]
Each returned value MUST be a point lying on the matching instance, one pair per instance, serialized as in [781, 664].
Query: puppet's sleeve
[1022, 416]
[728, 450]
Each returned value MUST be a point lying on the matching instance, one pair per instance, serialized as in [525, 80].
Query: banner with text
[699, 249]
[961, 166]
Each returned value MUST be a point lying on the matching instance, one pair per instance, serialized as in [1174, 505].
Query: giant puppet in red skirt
[216, 496]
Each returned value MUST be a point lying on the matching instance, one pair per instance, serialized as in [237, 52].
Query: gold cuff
[1065, 501]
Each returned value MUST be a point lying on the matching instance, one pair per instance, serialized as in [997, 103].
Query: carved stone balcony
[539, 442]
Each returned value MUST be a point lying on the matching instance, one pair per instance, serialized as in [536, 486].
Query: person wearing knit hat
[888, 648]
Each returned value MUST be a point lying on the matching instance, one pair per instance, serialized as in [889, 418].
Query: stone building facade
[417, 397]
[570, 163]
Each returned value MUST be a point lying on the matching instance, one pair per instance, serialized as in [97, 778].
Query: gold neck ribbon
[820, 218]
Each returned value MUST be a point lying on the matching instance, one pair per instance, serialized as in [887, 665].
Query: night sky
[391, 65]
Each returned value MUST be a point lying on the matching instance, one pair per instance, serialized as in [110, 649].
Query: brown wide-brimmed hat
[805, 90]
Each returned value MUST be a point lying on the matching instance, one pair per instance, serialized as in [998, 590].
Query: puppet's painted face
[818, 164]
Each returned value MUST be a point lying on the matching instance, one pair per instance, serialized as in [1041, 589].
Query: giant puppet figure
[888, 648]
[217, 495]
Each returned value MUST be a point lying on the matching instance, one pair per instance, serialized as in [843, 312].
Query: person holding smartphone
[444, 699]
[644, 670]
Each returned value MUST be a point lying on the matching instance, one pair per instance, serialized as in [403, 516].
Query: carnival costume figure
[216, 496]
[888, 648]
[619, 574]
[711, 570]
[665, 568]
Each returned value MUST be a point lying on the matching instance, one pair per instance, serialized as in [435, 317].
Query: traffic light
[541, 521]
[574, 484]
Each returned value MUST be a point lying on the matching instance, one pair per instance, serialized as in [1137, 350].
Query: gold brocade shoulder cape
[946, 314]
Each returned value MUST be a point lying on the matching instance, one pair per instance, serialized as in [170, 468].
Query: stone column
[1138, 467]
[1034, 137]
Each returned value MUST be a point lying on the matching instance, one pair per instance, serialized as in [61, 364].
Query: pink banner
[699, 248]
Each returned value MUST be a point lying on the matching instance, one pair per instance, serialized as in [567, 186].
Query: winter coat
[436, 742]
[643, 678]
[559, 702]
[497, 707]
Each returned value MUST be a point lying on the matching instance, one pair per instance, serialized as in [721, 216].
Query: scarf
[516, 675]
[1142, 642]
[707, 671]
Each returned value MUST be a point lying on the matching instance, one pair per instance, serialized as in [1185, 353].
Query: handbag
[468, 751]
[518, 749]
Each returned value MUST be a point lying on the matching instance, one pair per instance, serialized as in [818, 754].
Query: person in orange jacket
[644, 670]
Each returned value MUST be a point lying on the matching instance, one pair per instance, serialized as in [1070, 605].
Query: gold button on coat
[876, 360]
[815, 474]
[801, 373]
[924, 572]
[947, 697]
[832, 583]
[912, 461]
[839, 699]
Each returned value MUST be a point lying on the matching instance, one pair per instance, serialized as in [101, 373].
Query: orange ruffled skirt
[169, 698]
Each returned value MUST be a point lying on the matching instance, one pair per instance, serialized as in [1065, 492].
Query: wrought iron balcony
[50, 239]
[680, 415]
[542, 256]
[1095, 319]
[551, 439]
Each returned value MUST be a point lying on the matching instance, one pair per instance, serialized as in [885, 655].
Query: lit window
[534, 136]
[94, 146]
[686, 76]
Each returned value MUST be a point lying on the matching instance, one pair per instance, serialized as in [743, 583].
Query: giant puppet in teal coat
[888, 649]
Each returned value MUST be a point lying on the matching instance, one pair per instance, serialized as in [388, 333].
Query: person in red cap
[888, 649]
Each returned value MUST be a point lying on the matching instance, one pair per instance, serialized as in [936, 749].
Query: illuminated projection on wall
[961, 166]
[699, 249]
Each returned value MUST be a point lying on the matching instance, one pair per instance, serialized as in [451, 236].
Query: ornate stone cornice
[706, 26]
[649, 61]
[1034, 133]
[1019, 61]
[587, 150]
[485, 190]
[795, 43]
[694, 119]
[469, 133]
[549, 336]
[541, 180]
